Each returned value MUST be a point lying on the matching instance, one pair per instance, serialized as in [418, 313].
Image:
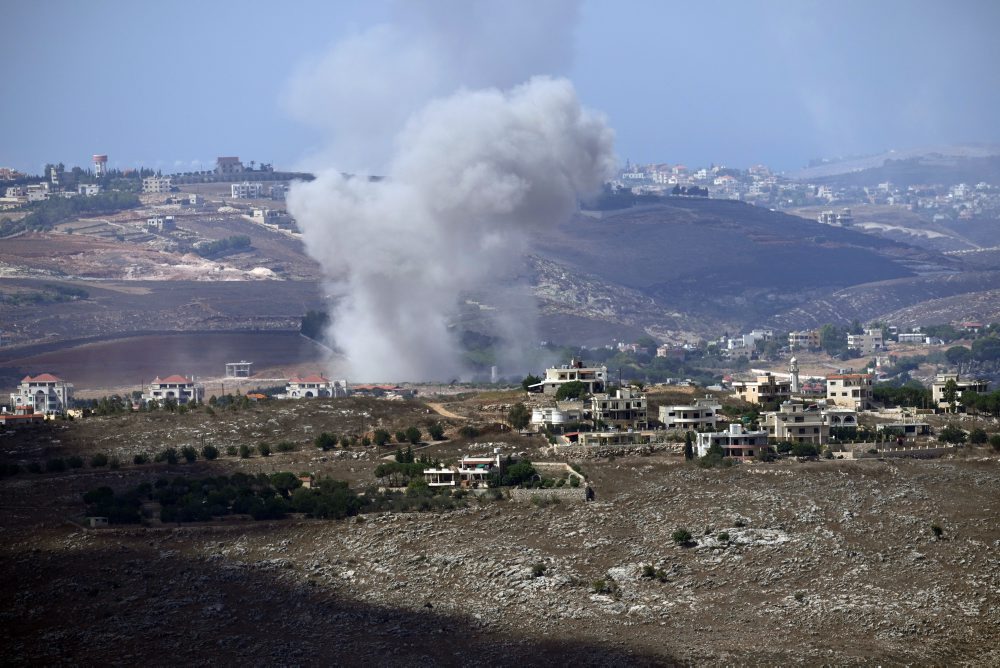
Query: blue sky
[172, 85]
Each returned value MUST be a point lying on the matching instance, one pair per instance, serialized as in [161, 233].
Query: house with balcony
[595, 378]
[796, 422]
[45, 394]
[700, 415]
[940, 384]
[850, 390]
[626, 408]
[176, 388]
[736, 442]
[315, 385]
[765, 389]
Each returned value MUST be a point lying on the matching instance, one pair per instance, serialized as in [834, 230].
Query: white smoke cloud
[473, 174]
[361, 92]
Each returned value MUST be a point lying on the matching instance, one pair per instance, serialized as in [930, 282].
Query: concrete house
[850, 390]
[627, 408]
[594, 377]
[968, 385]
[178, 388]
[701, 415]
[736, 442]
[45, 394]
[765, 389]
[315, 385]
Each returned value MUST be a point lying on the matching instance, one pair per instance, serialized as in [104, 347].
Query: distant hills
[694, 267]
[946, 165]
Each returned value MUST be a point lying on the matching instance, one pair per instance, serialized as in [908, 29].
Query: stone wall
[562, 494]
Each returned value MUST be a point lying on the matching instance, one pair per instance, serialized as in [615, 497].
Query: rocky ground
[790, 563]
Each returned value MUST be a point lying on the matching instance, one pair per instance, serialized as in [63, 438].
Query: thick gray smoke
[473, 174]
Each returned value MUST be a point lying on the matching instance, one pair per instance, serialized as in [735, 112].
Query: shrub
[995, 441]
[115, 463]
[468, 431]
[264, 449]
[381, 437]
[189, 453]
[681, 536]
[978, 436]
[784, 448]
[400, 436]
[244, 451]
[538, 570]
[365, 441]
[601, 587]
[436, 431]
[210, 452]
[804, 450]
[952, 434]
[739, 523]
[799, 596]
[325, 441]
[574, 482]
[140, 459]
[413, 435]
[231, 450]
[99, 460]
[285, 446]
[345, 441]
[937, 530]
[55, 465]
[648, 571]
[169, 456]
[74, 461]
[723, 537]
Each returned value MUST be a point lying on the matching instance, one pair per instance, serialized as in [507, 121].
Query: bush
[978, 436]
[723, 537]
[952, 434]
[413, 435]
[115, 464]
[995, 442]
[436, 431]
[99, 460]
[381, 437]
[169, 456]
[602, 586]
[264, 449]
[189, 454]
[231, 450]
[799, 596]
[325, 441]
[55, 465]
[468, 431]
[140, 459]
[574, 482]
[244, 451]
[681, 536]
[804, 450]
[538, 570]
[210, 452]
[937, 530]
[784, 448]
[74, 462]
[400, 436]
[285, 446]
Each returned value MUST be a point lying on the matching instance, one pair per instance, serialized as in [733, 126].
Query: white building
[563, 413]
[701, 415]
[315, 385]
[246, 190]
[177, 388]
[941, 381]
[736, 442]
[44, 393]
[88, 189]
[241, 369]
[161, 223]
[594, 378]
[156, 184]
[37, 192]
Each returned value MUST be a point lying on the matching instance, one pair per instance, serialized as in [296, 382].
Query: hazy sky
[174, 84]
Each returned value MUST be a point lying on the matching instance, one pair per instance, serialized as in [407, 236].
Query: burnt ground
[828, 562]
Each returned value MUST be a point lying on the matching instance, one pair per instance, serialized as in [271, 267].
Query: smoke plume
[474, 174]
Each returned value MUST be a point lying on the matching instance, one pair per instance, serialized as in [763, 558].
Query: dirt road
[444, 412]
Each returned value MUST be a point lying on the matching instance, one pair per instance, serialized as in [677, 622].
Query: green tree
[519, 416]
[264, 449]
[413, 435]
[958, 355]
[244, 451]
[189, 454]
[436, 431]
[381, 437]
[950, 394]
[571, 390]
[681, 536]
[952, 434]
[688, 447]
[978, 436]
[99, 460]
[995, 442]
[210, 452]
[528, 381]
[285, 482]
[401, 436]
[325, 441]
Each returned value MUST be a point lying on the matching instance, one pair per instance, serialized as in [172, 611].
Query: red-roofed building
[315, 385]
[177, 388]
[44, 394]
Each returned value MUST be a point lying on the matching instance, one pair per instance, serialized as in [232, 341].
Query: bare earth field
[825, 563]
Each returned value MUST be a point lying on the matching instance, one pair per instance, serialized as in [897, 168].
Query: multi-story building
[44, 393]
[868, 343]
[156, 184]
[161, 223]
[177, 388]
[316, 385]
[736, 442]
[940, 385]
[241, 369]
[246, 190]
[701, 415]
[796, 423]
[595, 378]
[764, 390]
[228, 165]
[88, 189]
[627, 408]
[804, 339]
[850, 390]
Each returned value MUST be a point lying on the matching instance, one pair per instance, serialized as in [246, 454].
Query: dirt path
[441, 410]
